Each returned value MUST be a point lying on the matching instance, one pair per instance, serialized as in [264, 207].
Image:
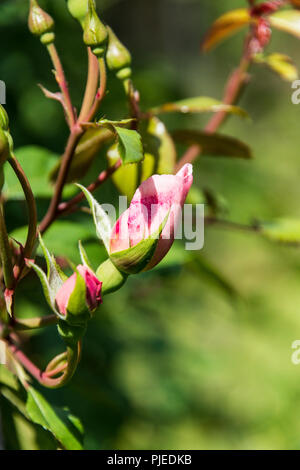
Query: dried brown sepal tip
[118, 57]
[40, 23]
[94, 33]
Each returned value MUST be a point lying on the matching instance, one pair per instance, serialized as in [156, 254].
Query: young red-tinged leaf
[280, 64]
[200, 104]
[225, 26]
[286, 20]
[214, 144]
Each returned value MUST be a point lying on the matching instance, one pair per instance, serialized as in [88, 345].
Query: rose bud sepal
[111, 277]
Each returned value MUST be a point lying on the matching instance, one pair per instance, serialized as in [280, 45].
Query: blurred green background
[194, 355]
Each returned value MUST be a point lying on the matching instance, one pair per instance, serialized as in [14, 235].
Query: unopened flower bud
[66, 296]
[118, 57]
[40, 23]
[4, 121]
[78, 9]
[4, 146]
[95, 33]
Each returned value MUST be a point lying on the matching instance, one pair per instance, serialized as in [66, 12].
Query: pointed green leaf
[130, 145]
[66, 429]
[200, 104]
[101, 219]
[83, 256]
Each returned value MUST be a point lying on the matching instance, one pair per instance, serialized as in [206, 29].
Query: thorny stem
[63, 84]
[91, 86]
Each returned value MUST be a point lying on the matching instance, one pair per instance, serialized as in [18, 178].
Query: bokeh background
[197, 353]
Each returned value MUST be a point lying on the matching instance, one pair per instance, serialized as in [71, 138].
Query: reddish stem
[104, 175]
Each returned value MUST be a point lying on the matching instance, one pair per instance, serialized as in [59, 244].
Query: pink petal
[151, 203]
[64, 294]
[93, 287]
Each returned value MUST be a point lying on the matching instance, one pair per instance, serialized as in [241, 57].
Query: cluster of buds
[139, 240]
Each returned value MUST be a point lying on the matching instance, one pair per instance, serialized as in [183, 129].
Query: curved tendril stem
[72, 354]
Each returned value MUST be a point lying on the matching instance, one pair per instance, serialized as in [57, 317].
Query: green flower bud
[95, 33]
[4, 147]
[39, 22]
[118, 57]
[78, 9]
[112, 279]
[4, 121]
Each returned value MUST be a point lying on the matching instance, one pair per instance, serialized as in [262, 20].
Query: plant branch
[91, 86]
[233, 89]
[104, 175]
[62, 177]
[31, 206]
[101, 91]
[5, 253]
[63, 84]
[42, 377]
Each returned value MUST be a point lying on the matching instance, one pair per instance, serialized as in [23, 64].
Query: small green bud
[112, 279]
[4, 121]
[4, 147]
[39, 22]
[95, 33]
[78, 9]
[118, 57]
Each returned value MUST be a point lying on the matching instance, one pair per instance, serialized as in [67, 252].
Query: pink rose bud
[158, 201]
[93, 290]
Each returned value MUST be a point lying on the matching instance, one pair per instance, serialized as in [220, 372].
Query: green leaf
[66, 429]
[282, 230]
[101, 219]
[87, 149]
[130, 145]
[83, 256]
[200, 104]
[281, 64]
[36, 162]
[225, 26]
[286, 20]
[160, 157]
[214, 144]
